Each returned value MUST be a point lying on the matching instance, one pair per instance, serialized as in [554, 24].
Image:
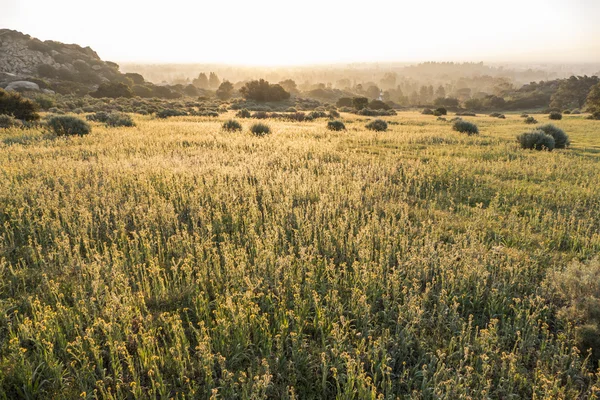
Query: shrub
[336, 126]
[119, 119]
[291, 110]
[377, 125]
[297, 116]
[530, 120]
[465, 127]
[524, 115]
[536, 140]
[100, 116]
[595, 116]
[334, 114]
[260, 129]
[112, 90]
[169, 112]
[243, 113]
[427, 111]
[441, 111]
[554, 115]
[466, 114]
[576, 112]
[378, 105]
[317, 114]
[260, 115]
[560, 137]
[567, 112]
[8, 121]
[63, 125]
[12, 103]
[232, 126]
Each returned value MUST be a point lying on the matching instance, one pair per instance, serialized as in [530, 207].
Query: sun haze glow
[270, 32]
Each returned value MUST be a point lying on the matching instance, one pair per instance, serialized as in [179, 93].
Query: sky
[279, 32]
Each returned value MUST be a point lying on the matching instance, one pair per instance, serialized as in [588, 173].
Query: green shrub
[243, 113]
[8, 121]
[117, 119]
[536, 140]
[260, 115]
[427, 111]
[112, 90]
[465, 127]
[530, 120]
[377, 125]
[567, 112]
[100, 116]
[554, 115]
[441, 111]
[561, 139]
[260, 129]
[66, 125]
[12, 103]
[334, 114]
[169, 112]
[232, 126]
[524, 115]
[336, 126]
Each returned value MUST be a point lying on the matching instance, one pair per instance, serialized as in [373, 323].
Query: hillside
[64, 68]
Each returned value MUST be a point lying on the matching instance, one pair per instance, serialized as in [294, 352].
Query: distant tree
[112, 90]
[378, 105]
[213, 81]
[360, 102]
[573, 92]
[262, 90]
[389, 80]
[137, 79]
[446, 102]
[224, 91]
[142, 91]
[373, 92]
[344, 102]
[191, 90]
[593, 100]
[289, 86]
[165, 92]
[201, 82]
[440, 93]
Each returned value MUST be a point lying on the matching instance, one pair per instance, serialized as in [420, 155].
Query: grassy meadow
[177, 260]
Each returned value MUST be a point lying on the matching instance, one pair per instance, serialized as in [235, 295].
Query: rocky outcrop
[22, 85]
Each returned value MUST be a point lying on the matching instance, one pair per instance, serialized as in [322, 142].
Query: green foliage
[66, 125]
[378, 105]
[12, 103]
[44, 101]
[467, 127]
[555, 116]
[262, 91]
[117, 119]
[536, 140]
[232, 126]
[440, 111]
[225, 90]
[448, 102]
[360, 102]
[530, 120]
[8, 121]
[260, 129]
[336, 126]
[560, 137]
[136, 78]
[427, 111]
[112, 90]
[572, 92]
[170, 112]
[592, 102]
[377, 125]
[345, 102]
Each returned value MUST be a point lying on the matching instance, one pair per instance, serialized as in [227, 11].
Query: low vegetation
[467, 127]
[66, 125]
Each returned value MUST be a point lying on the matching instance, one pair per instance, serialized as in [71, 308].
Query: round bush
[524, 115]
[465, 127]
[530, 120]
[232, 126]
[336, 126]
[560, 137]
[536, 140]
[554, 115]
[64, 125]
[260, 129]
[12, 103]
[377, 125]
[8, 121]
[427, 111]
[441, 111]
[119, 119]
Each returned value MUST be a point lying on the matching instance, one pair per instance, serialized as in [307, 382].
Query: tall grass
[179, 261]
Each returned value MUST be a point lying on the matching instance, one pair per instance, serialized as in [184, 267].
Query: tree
[262, 90]
[289, 86]
[440, 93]
[213, 81]
[191, 90]
[201, 82]
[224, 91]
[112, 90]
[360, 102]
[373, 92]
[593, 101]
[135, 78]
[344, 102]
[573, 92]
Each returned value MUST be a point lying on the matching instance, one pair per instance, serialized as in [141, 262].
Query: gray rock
[22, 85]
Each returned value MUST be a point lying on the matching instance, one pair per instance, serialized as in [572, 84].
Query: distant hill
[64, 68]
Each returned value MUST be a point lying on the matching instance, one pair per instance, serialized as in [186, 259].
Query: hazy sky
[316, 31]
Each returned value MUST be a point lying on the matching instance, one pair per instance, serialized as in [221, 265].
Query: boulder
[22, 85]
